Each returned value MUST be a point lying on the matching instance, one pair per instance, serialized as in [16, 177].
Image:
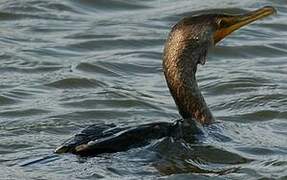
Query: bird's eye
[196, 38]
[221, 23]
[218, 22]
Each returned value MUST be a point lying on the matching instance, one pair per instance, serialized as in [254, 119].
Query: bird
[186, 47]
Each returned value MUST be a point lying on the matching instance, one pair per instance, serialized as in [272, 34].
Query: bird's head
[197, 33]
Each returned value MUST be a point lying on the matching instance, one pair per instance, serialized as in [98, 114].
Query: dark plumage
[186, 47]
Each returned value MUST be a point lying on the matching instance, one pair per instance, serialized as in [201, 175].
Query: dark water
[71, 63]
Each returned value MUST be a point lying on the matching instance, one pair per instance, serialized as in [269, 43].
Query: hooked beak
[228, 24]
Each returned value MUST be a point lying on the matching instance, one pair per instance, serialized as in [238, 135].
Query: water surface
[71, 63]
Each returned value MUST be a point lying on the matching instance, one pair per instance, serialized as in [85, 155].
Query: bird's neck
[180, 70]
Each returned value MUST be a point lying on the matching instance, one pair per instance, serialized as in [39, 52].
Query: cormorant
[186, 47]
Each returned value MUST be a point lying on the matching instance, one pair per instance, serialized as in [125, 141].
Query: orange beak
[228, 24]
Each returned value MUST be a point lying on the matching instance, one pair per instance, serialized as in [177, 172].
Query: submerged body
[185, 48]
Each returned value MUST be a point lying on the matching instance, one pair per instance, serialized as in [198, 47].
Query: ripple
[104, 45]
[97, 68]
[4, 101]
[213, 154]
[259, 115]
[177, 157]
[244, 103]
[65, 7]
[9, 148]
[23, 113]
[31, 69]
[256, 150]
[5, 16]
[118, 69]
[102, 104]
[89, 36]
[248, 51]
[277, 27]
[76, 83]
[112, 5]
[236, 85]
[35, 10]
[19, 94]
[92, 114]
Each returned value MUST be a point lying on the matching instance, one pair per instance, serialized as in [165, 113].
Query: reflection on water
[68, 64]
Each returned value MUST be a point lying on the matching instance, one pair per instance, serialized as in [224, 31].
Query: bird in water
[187, 46]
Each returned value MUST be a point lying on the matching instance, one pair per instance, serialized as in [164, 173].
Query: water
[71, 63]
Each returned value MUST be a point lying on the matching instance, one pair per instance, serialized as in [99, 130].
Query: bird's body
[185, 48]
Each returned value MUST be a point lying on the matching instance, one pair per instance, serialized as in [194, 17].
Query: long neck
[180, 69]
